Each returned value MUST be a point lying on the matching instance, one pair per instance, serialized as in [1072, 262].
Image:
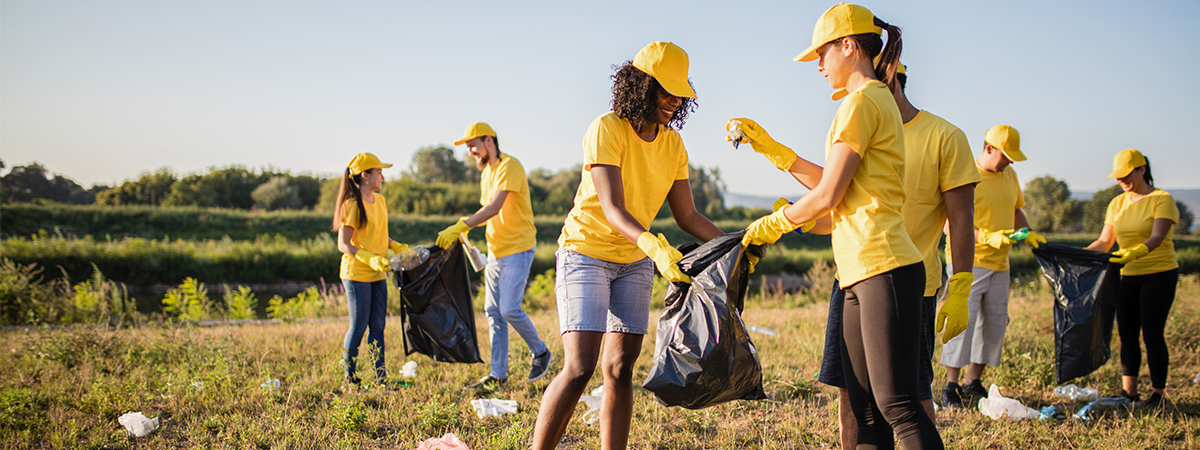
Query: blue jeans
[368, 309]
[505, 278]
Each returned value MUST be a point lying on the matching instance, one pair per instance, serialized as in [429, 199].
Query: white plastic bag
[409, 370]
[493, 407]
[593, 404]
[447, 442]
[137, 423]
[997, 406]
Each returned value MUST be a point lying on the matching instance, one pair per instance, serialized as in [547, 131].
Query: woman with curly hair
[634, 159]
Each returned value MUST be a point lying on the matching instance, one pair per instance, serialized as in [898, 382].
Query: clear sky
[103, 90]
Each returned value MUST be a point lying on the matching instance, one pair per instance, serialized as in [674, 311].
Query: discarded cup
[271, 385]
[477, 258]
[762, 330]
[493, 407]
[409, 370]
[137, 424]
[410, 259]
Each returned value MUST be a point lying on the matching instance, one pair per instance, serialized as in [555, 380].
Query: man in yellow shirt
[511, 238]
[998, 202]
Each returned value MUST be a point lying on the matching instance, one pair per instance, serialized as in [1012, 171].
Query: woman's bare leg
[581, 350]
[621, 351]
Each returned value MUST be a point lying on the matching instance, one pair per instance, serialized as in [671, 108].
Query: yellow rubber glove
[447, 237]
[953, 315]
[377, 263]
[753, 260]
[779, 155]
[1128, 255]
[666, 258]
[995, 239]
[1034, 240]
[398, 247]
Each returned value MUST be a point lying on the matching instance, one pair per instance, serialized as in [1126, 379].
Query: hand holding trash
[953, 315]
[769, 228]
[778, 154]
[1128, 255]
[995, 239]
[1034, 240]
[666, 258]
[447, 237]
[377, 263]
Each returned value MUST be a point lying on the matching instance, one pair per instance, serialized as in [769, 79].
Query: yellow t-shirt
[1133, 221]
[868, 231]
[511, 230]
[372, 238]
[648, 170]
[997, 197]
[937, 159]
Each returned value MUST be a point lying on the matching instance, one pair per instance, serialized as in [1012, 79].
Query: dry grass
[66, 388]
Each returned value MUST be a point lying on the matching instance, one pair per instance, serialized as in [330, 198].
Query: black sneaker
[975, 389]
[540, 365]
[1155, 400]
[1133, 398]
[952, 396]
[488, 383]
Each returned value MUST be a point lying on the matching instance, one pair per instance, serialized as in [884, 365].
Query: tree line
[436, 183]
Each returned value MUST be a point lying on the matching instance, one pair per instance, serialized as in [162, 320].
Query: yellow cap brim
[1121, 173]
[809, 54]
[463, 141]
[677, 88]
[1014, 155]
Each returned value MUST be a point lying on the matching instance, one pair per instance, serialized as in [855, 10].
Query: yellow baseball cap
[1125, 162]
[1007, 139]
[668, 64]
[363, 162]
[475, 130]
[840, 93]
[839, 21]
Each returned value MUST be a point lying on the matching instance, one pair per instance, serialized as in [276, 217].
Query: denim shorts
[602, 296]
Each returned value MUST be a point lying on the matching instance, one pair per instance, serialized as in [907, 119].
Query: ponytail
[1147, 176]
[872, 45]
[889, 59]
[350, 187]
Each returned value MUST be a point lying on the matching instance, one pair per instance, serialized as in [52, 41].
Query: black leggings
[1143, 302]
[881, 332]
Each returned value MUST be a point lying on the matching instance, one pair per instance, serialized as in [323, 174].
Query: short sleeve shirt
[869, 237]
[997, 198]
[1133, 221]
[648, 170]
[937, 159]
[511, 230]
[372, 238]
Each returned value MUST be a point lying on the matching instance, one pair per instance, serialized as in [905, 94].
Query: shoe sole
[544, 372]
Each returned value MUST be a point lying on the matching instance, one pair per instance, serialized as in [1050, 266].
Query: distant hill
[752, 201]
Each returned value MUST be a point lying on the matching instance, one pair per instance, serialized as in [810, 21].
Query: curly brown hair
[635, 97]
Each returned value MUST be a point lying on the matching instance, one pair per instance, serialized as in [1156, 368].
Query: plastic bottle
[1019, 235]
[1052, 412]
[762, 330]
[1068, 392]
[1088, 394]
[411, 258]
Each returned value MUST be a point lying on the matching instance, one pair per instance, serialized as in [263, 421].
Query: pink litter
[447, 442]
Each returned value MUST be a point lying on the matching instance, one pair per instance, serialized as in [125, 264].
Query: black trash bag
[703, 355]
[1085, 301]
[436, 312]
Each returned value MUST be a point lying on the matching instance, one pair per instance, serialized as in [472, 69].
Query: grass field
[65, 389]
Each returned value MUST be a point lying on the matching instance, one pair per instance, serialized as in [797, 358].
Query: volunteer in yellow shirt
[360, 219]
[861, 192]
[1140, 221]
[511, 238]
[633, 160]
[998, 202]
[939, 184]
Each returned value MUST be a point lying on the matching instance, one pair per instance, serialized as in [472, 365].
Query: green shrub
[240, 304]
[188, 302]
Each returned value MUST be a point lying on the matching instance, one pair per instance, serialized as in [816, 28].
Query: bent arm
[488, 211]
[960, 224]
[1158, 232]
[1106, 240]
[828, 193]
[1019, 220]
[344, 236]
[610, 189]
[683, 208]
